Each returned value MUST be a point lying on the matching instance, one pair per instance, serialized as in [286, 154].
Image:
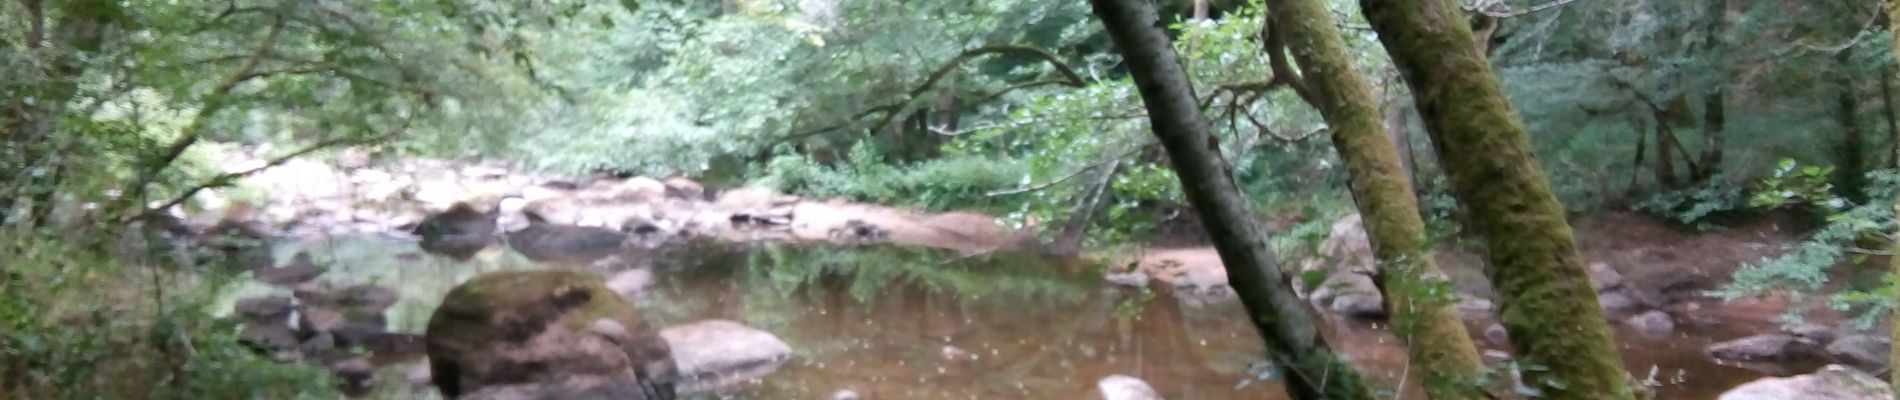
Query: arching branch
[1070, 78]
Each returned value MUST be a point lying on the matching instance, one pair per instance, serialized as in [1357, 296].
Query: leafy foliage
[1811, 264]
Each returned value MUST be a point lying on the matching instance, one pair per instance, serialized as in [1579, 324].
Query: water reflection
[910, 323]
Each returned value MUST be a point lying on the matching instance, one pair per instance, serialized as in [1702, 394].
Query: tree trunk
[1300, 355]
[1402, 141]
[1714, 121]
[1545, 299]
[1853, 166]
[1665, 153]
[1429, 323]
[1893, 357]
[1893, 121]
[1200, 10]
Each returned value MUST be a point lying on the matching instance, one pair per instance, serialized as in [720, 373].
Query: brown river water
[907, 323]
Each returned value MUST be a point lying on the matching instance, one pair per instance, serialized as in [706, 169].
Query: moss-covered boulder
[544, 333]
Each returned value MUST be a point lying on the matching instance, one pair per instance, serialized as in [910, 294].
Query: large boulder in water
[1834, 382]
[549, 334]
[714, 354]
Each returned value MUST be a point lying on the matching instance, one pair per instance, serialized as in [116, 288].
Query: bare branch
[1864, 28]
[213, 102]
[228, 178]
[1072, 174]
[1070, 78]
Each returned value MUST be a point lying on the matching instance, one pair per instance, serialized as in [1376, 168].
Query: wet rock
[418, 374]
[300, 269]
[636, 189]
[860, 232]
[1604, 278]
[1654, 324]
[316, 320]
[544, 241]
[267, 338]
[753, 198]
[394, 344]
[683, 188]
[1123, 387]
[353, 374]
[1818, 334]
[1833, 382]
[1767, 347]
[591, 387]
[458, 233]
[317, 345]
[1472, 307]
[1135, 278]
[1497, 334]
[630, 283]
[1359, 305]
[1345, 260]
[1617, 302]
[539, 333]
[263, 308]
[713, 354]
[1866, 352]
[358, 299]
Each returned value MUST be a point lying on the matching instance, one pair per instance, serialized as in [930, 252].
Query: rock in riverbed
[714, 354]
[1834, 382]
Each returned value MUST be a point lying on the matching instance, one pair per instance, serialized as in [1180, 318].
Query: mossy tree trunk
[1544, 293]
[1300, 355]
[1423, 310]
[1893, 358]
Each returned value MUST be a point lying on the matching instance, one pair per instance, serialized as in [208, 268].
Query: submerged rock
[713, 354]
[544, 334]
[1833, 382]
[1123, 387]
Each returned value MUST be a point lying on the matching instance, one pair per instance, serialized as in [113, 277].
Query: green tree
[1307, 365]
[1421, 300]
[1544, 293]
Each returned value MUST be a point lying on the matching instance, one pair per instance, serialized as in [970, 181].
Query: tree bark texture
[1893, 357]
[1545, 299]
[1300, 355]
[1426, 318]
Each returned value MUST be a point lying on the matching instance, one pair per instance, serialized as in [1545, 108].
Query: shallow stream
[908, 323]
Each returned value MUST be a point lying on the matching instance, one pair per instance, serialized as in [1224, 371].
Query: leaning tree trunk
[1310, 369]
[1425, 317]
[1544, 294]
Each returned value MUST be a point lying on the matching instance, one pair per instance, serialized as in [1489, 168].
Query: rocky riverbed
[347, 288]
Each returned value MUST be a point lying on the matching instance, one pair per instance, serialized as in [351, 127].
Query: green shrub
[79, 324]
[1701, 207]
[950, 183]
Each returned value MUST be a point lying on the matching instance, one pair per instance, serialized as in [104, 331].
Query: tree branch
[1070, 78]
[226, 179]
[1072, 174]
[213, 102]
